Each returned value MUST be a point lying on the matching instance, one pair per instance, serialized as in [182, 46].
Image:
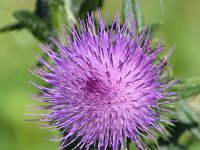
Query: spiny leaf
[188, 88]
[43, 10]
[186, 114]
[133, 7]
[190, 91]
[196, 132]
[59, 15]
[33, 23]
[15, 26]
[131, 145]
[80, 8]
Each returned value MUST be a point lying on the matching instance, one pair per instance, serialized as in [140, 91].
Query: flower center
[97, 93]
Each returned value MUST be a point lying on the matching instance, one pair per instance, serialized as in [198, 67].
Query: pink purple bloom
[106, 85]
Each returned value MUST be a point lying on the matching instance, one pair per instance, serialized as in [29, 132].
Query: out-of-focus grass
[181, 26]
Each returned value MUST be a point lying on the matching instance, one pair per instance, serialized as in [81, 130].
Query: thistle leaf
[58, 13]
[131, 145]
[186, 114]
[80, 8]
[33, 23]
[11, 27]
[133, 7]
[43, 10]
[188, 88]
[196, 132]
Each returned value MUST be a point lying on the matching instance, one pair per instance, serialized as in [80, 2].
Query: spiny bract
[105, 85]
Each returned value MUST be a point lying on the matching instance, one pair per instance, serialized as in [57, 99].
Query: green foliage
[131, 145]
[80, 8]
[186, 116]
[15, 26]
[188, 87]
[58, 13]
[132, 7]
[43, 10]
[36, 25]
[38, 22]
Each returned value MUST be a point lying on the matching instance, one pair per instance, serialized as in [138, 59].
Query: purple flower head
[107, 85]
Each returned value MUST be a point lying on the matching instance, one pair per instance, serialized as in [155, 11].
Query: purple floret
[105, 85]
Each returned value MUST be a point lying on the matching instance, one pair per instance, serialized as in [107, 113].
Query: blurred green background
[181, 26]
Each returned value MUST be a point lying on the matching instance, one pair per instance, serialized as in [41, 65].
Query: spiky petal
[106, 85]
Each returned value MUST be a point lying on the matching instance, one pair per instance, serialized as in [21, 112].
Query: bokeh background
[181, 25]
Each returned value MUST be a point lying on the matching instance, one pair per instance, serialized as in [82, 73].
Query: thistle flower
[106, 85]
